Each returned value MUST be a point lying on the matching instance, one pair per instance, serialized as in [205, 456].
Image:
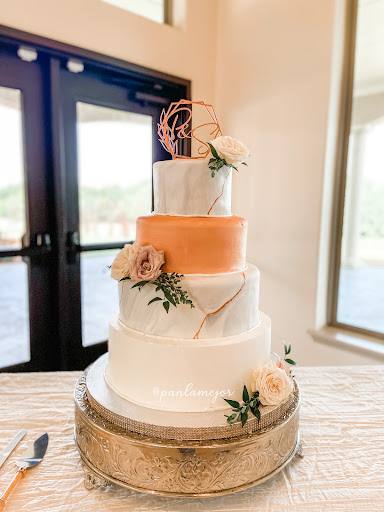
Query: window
[155, 10]
[358, 283]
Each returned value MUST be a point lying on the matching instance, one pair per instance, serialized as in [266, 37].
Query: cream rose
[272, 383]
[146, 264]
[120, 266]
[231, 150]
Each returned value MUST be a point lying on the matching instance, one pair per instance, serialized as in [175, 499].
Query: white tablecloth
[342, 428]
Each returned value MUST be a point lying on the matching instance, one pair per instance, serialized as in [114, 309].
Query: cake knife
[30, 458]
[11, 446]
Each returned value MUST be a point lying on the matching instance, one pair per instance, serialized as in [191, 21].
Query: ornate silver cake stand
[181, 468]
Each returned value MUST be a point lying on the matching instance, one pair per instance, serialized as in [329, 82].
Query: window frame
[341, 161]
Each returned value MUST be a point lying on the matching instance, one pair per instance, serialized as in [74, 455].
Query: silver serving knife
[32, 456]
[11, 446]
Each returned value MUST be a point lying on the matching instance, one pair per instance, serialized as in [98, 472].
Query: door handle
[73, 245]
[38, 245]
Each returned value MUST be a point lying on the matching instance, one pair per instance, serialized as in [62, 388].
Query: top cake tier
[184, 187]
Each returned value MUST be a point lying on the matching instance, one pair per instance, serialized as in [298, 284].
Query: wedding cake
[189, 335]
[189, 401]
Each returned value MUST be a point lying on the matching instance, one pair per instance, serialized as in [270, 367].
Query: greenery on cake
[168, 284]
[226, 152]
[240, 412]
[143, 264]
[271, 384]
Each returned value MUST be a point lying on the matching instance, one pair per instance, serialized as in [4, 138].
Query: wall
[274, 62]
[100, 27]
[270, 84]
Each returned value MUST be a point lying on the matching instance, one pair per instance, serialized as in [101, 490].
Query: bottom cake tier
[183, 374]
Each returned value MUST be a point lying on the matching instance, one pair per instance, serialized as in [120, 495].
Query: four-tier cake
[189, 352]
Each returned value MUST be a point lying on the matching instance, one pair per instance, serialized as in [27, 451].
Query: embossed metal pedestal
[181, 468]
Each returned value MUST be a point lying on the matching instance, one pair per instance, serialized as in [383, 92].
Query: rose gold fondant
[196, 245]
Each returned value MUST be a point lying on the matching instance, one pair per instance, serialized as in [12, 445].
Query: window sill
[348, 340]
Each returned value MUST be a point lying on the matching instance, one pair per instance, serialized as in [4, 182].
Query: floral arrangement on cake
[271, 384]
[142, 264]
[226, 152]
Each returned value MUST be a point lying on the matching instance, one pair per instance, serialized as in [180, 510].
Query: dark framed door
[80, 153]
[109, 145]
[27, 332]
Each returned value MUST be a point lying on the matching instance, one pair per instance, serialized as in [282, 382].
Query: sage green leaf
[231, 418]
[245, 394]
[166, 306]
[154, 300]
[232, 403]
[169, 297]
[140, 283]
[256, 412]
[244, 417]
[213, 151]
[244, 163]
[290, 361]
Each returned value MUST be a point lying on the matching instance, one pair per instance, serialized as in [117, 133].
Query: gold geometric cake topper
[175, 125]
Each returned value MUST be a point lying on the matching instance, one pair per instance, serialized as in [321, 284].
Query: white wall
[270, 84]
[274, 65]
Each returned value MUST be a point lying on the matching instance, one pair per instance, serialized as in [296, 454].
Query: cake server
[32, 456]
[11, 446]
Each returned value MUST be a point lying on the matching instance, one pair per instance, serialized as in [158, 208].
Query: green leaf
[232, 403]
[124, 278]
[256, 412]
[213, 151]
[212, 174]
[245, 394]
[140, 283]
[169, 297]
[244, 163]
[244, 417]
[166, 306]
[231, 418]
[154, 300]
[290, 361]
[212, 160]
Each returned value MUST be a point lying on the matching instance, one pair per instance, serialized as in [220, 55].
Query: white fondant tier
[185, 187]
[184, 375]
[208, 293]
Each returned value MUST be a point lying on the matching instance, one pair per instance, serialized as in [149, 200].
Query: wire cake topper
[176, 124]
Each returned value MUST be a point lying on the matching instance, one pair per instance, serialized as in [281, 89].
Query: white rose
[231, 150]
[120, 266]
[272, 383]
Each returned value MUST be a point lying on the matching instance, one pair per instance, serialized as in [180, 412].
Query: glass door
[27, 334]
[110, 145]
[77, 143]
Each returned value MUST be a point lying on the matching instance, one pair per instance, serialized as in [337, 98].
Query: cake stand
[111, 453]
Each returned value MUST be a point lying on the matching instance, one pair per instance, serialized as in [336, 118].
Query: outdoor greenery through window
[361, 281]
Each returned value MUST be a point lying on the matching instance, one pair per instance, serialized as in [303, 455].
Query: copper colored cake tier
[196, 245]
